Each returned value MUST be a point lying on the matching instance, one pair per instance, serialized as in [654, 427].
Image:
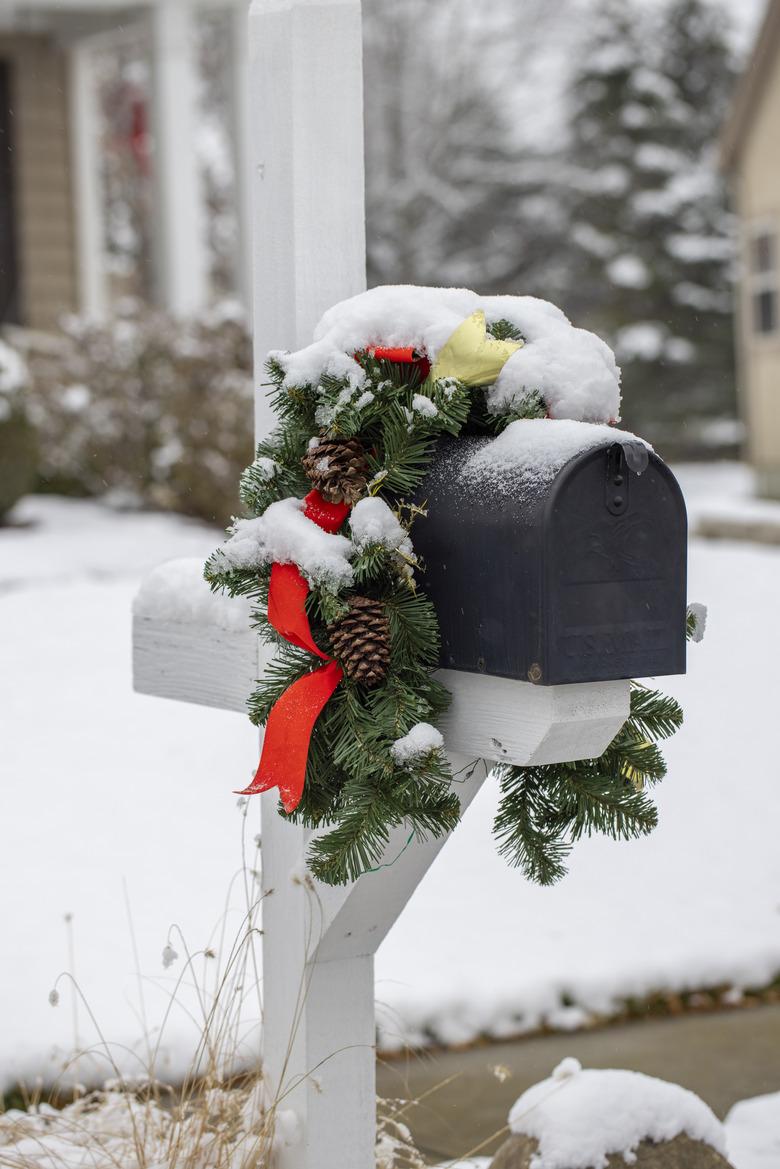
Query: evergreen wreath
[363, 436]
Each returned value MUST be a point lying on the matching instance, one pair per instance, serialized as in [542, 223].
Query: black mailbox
[579, 578]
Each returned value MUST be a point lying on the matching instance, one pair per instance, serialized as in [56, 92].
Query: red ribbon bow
[289, 727]
[404, 356]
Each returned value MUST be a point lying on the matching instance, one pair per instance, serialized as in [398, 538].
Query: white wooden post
[180, 245]
[85, 153]
[309, 251]
[306, 102]
[319, 942]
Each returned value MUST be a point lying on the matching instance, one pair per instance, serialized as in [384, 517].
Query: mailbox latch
[617, 480]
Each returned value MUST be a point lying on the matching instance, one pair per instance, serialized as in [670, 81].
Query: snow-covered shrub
[395, 1147]
[217, 1128]
[186, 1092]
[152, 409]
[17, 437]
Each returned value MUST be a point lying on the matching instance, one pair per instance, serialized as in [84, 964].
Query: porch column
[88, 192]
[242, 148]
[181, 260]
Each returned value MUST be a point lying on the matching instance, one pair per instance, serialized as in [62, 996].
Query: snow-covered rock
[753, 1132]
[599, 1119]
[520, 1152]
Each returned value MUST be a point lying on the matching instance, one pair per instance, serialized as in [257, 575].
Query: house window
[763, 280]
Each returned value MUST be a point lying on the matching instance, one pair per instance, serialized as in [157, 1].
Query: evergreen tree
[650, 232]
[452, 196]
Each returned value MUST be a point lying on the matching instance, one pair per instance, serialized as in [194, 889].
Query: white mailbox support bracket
[306, 126]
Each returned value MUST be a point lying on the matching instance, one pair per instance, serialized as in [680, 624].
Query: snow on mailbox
[556, 553]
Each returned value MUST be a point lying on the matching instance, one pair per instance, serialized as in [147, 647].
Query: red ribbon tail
[290, 724]
[288, 733]
[287, 593]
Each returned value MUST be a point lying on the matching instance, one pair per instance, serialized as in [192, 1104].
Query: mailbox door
[481, 553]
[615, 560]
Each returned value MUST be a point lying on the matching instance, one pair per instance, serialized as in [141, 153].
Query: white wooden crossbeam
[214, 663]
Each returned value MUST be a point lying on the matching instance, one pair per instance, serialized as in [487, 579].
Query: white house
[52, 198]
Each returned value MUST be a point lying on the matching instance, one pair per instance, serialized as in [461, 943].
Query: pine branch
[403, 701]
[532, 406]
[414, 629]
[259, 486]
[357, 841]
[613, 807]
[236, 582]
[523, 826]
[656, 715]
[324, 780]
[453, 403]
[405, 453]
[374, 563]
[286, 666]
[396, 375]
[275, 370]
[634, 758]
[368, 813]
[543, 810]
[504, 330]
[428, 807]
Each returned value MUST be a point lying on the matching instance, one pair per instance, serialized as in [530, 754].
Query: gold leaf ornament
[471, 356]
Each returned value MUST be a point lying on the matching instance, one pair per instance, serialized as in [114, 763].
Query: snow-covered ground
[115, 807]
[113, 800]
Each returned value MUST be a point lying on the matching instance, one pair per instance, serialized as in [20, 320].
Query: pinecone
[338, 469]
[361, 641]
